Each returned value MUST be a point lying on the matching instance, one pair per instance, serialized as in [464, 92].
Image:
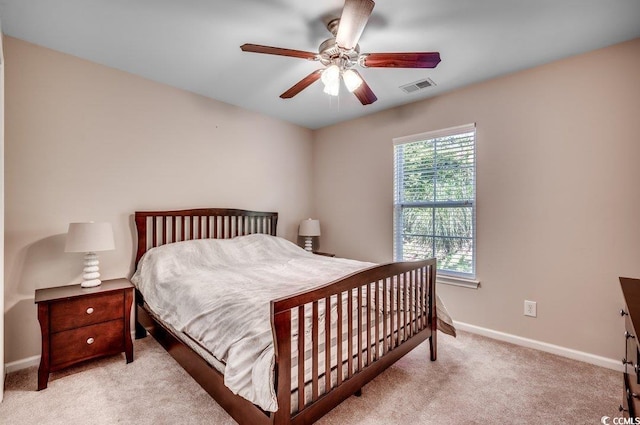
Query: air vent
[417, 85]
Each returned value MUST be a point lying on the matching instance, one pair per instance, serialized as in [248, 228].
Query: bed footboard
[347, 332]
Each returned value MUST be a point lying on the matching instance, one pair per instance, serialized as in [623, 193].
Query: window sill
[458, 281]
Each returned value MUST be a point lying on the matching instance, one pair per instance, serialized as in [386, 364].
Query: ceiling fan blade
[256, 48]
[302, 84]
[401, 60]
[355, 15]
[364, 93]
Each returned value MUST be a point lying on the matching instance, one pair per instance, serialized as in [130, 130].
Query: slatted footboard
[342, 335]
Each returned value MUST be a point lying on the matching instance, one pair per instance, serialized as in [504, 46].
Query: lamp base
[91, 283]
[90, 273]
[308, 244]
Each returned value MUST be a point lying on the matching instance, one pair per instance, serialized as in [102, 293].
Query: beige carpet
[475, 380]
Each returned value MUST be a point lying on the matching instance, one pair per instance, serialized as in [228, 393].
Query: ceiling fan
[341, 53]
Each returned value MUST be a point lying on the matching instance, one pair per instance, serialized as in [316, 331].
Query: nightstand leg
[43, 370]
[43, 377]
[128, 344]
[129, 354]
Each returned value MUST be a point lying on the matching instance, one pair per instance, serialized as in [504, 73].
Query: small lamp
[308, 229]
[89, 238]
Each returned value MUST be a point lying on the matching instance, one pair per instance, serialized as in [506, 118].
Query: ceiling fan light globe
[351, 79]
[333, 88]
[331, 75]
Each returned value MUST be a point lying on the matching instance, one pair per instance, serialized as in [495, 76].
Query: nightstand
[326, 254]
[79, 324]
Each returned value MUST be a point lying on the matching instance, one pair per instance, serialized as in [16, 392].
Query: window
[434, 201]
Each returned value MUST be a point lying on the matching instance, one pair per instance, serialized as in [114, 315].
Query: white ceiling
[195, 44]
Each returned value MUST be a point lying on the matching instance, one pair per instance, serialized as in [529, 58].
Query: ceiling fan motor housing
[330, 53]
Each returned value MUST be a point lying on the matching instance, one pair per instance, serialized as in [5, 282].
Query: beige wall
[557, 182]
[558, 194]
[87, 142]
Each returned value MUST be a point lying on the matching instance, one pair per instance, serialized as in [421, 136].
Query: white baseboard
[490, 333]
[543, 346]
[21, 364]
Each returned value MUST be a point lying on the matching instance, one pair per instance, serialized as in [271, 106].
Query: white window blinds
[434, 201]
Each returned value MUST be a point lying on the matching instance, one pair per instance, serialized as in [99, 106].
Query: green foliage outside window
[434, 201]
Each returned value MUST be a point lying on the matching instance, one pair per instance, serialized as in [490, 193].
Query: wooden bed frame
[409, 309]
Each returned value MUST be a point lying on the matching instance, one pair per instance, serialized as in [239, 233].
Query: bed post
[281, 327]
[141, 225]
[433, 315]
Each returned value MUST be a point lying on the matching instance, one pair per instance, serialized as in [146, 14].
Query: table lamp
[90, 238]
[308, 229]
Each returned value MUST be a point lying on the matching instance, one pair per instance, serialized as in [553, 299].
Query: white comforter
[204, 287]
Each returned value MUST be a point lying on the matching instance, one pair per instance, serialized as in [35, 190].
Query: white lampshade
[331, 79]
[331, 75]
[332, 89]
[309, 227]
[351, 79]
[89, 237]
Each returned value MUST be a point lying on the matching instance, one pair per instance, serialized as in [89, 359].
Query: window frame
[399, 206]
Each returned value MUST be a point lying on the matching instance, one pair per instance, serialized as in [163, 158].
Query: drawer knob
[90, 341]
[628, 335]
[90, 310]
[623, 313]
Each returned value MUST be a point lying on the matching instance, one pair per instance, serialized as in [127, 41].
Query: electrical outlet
[530, 308]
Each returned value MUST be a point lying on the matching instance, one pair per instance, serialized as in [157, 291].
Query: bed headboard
[157, 228]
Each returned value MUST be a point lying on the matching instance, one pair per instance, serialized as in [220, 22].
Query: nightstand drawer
[87, 342]
[86, 311]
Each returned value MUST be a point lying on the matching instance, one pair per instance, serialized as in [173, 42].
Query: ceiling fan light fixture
[333, 88]
[331, 75]
[351, 79]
